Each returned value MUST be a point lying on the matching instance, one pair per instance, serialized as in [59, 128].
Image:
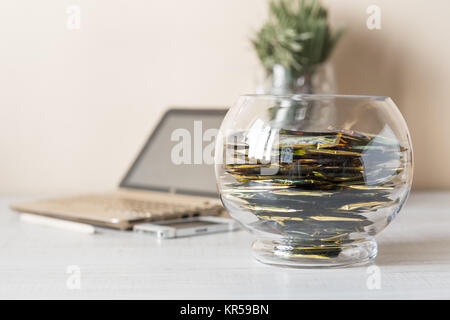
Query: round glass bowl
[314, 177]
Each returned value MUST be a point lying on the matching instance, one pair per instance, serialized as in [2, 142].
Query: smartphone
[187, 227]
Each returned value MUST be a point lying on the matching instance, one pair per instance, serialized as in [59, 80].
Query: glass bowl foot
[300, 255]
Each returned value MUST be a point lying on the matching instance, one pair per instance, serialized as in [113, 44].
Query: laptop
[172, 177]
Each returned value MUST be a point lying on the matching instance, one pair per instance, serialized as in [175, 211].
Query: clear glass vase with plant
[293, 45]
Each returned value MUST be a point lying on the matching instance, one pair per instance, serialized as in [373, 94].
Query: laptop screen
[179, 155]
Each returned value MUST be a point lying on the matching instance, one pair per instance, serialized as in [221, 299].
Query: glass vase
[317, 80]
[314, 177]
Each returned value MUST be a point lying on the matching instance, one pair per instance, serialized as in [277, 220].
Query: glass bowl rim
[315, 96]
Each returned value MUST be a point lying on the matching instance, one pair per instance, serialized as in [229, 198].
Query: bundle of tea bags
[315, 186]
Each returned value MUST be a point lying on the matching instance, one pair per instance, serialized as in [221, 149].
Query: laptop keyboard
[128, 207]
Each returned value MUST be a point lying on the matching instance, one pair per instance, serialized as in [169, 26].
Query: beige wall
[75, 106]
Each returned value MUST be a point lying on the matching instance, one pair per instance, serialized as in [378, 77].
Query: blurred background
[77, 104]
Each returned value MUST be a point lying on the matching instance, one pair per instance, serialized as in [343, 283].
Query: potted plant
[293, 46]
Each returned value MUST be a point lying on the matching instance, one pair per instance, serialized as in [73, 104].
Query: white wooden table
[413, 262]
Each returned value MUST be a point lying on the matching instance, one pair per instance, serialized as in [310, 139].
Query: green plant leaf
[296, 35]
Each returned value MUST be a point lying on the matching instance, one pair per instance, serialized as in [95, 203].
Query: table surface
[42, 262]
